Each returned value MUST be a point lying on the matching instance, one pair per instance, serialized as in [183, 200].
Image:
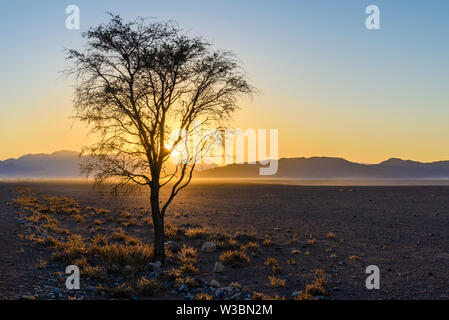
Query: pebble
[208, 247]
[218, 267]
[214, 283]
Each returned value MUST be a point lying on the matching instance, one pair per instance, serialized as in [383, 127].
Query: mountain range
[65, 164]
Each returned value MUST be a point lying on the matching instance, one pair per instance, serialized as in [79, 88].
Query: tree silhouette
[140, 86]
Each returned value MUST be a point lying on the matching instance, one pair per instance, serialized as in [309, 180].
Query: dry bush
[261, 296]
[203, 296]
[100, 239]
[188, 268]
[226, 244]
[96, 273]
[268, 242]
[114, 255]
[277, 282]
[122, 291]
[172, 232]
[331, 235]
[40, 265]
[78, 218]
[274, 264]
[129, 223]
[125, 214]
[234, 257]
[74, 248]
[147, 287]
[198, 233]
[318, 285]
[187, 255]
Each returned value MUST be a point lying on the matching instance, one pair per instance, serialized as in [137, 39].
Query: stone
[156, 266]
[172, 246]
[219, 294]
[295, 293]
[208, 247]
[29, 297]
[218, 267]
[183, 288]
[165, 285]
[214, 283]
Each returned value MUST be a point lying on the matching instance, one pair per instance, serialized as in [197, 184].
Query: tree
[140, 86]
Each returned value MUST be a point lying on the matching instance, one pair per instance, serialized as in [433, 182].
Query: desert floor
[404, 230]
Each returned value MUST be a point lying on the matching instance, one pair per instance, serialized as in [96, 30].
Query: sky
[327, 83]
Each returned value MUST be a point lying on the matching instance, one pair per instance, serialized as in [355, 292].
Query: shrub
[147, 287]
[274, 264]
[277, 282]
[203, 296]
[198, 233]
[237, 258]
[187, 255]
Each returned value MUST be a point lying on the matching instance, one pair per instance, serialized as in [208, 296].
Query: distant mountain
[60, 164]
[336, 168]
[65, 164]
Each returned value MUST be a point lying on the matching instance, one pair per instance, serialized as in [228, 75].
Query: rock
[295, 293]
[156, 266]
[183, 288]
[165, 285]
[219, 294]
[29, 297]
[218, 267]
[214, 283]
[228, 289]
[172, 246]
[128, 269]
[208, 247]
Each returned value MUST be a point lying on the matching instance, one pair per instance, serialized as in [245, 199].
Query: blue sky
[328, 84]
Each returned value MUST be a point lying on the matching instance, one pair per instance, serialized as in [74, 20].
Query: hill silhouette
[65, 164]
[336, 168]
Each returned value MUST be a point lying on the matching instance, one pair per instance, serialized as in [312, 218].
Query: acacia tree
[139, 87]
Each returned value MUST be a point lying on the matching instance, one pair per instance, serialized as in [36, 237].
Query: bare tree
[140, 84]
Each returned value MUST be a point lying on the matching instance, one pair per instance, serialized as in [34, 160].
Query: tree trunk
[158, 224]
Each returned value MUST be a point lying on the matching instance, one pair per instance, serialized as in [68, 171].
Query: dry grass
[129, 223]
[147, 287]
[234, 257]
[274, 264]
[268, 242]
[318, 285]
[188, 268]
[203, 296]
[227, 244]
[96, 273]
[172, 232]
[114, 255]
[198, 233]
[187, 255]
[40, 265]
[277, 282]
